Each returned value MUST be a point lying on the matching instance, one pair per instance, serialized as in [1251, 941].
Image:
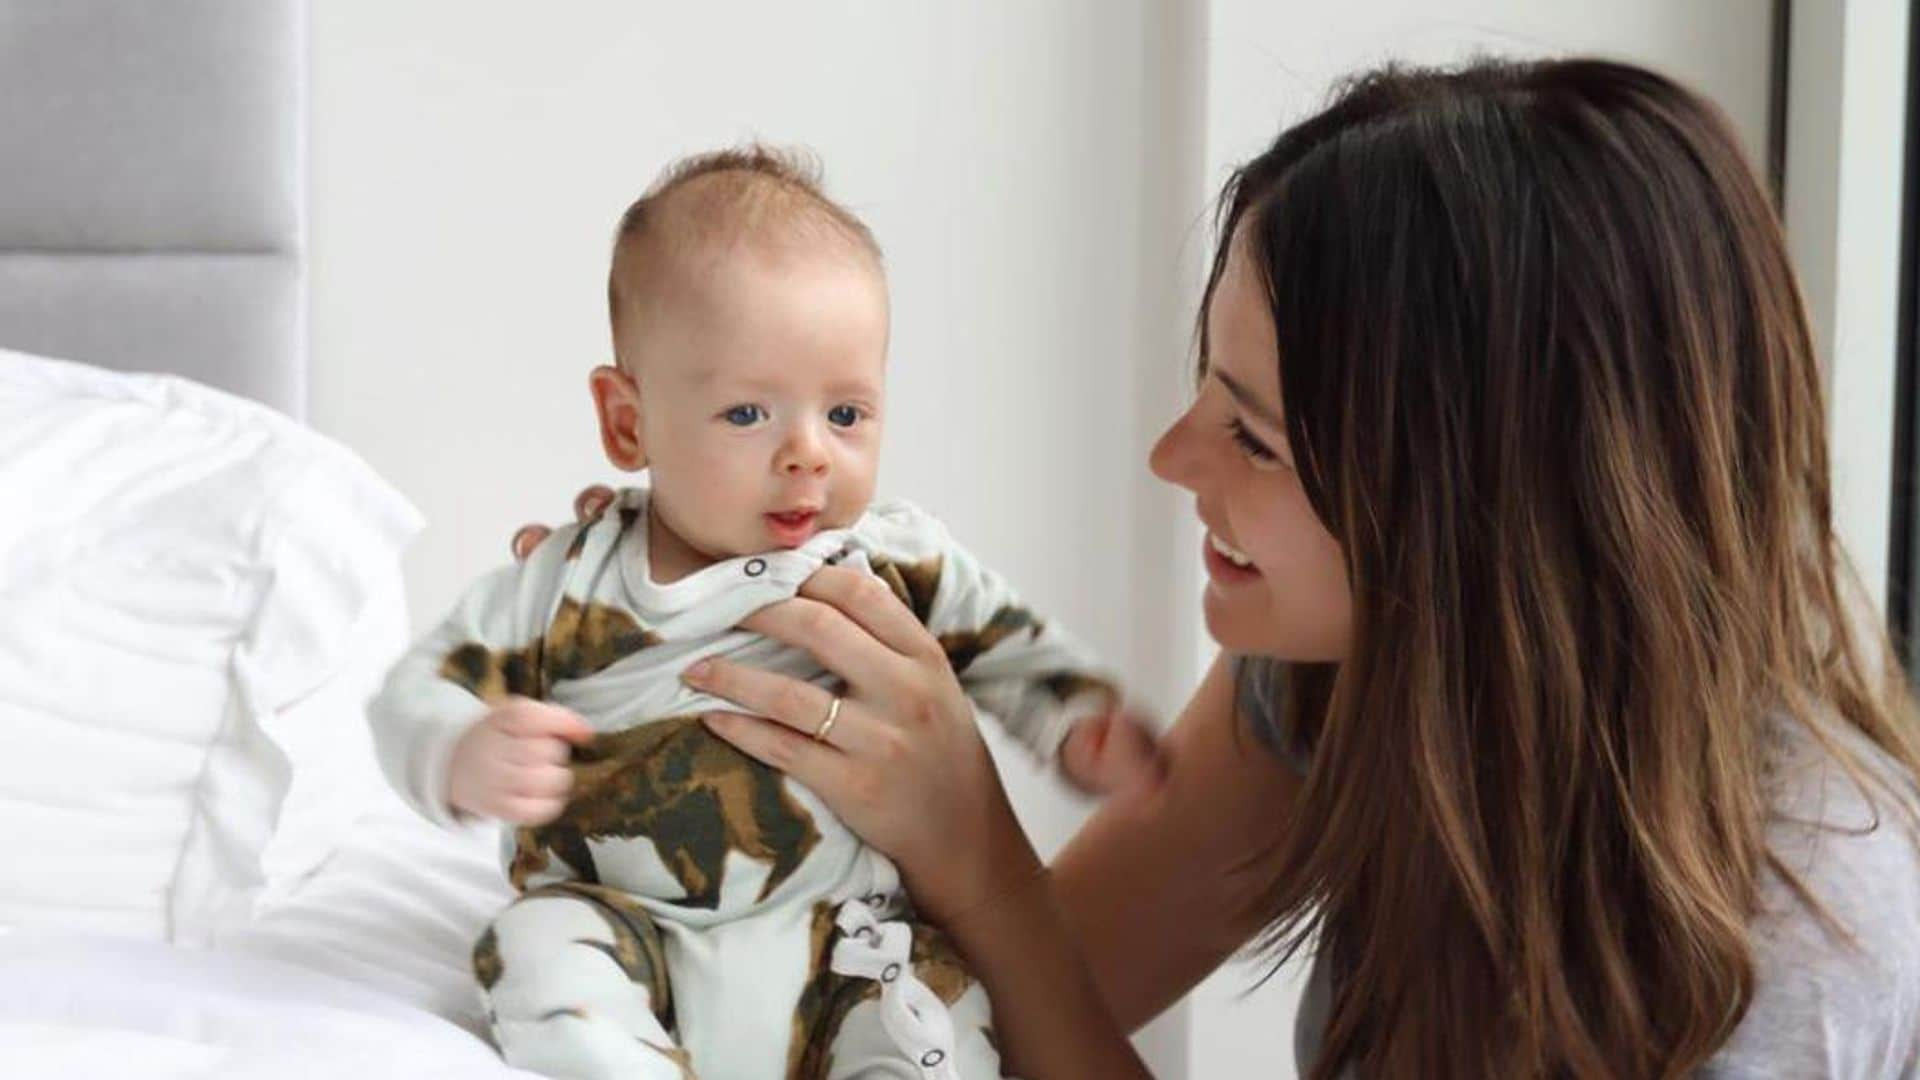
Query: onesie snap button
[891, 973]
[932, 1058]
[756, 567]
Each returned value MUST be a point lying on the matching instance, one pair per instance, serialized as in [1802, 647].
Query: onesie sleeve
[1028, 672]
[485, 649]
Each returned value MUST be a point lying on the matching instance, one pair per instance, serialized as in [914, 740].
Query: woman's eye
[843, 416]
[1249, 445]
[744, 415]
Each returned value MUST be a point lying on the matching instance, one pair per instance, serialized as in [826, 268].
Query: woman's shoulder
[1837, 990]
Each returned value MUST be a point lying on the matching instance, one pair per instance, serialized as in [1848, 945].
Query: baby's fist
[511, 765]
[1114, 753]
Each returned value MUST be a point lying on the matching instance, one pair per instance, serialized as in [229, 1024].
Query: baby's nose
[802, 455]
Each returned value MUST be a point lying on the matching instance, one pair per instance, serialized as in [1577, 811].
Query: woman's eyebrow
[1247, 401]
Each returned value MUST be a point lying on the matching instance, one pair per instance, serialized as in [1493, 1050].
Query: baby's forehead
[811, 380]
[803, 375]
[741, 286]
[794, 321]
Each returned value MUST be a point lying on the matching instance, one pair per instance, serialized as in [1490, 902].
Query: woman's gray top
[1822, 1006]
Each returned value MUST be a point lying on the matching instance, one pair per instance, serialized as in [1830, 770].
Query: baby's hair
[753, 194]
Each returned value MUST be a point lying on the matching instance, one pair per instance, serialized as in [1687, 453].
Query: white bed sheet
[396, 908]
[74, 1007]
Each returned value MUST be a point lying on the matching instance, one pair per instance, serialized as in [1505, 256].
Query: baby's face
[761, 388]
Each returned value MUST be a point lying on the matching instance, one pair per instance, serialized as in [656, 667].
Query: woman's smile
[1227, 565]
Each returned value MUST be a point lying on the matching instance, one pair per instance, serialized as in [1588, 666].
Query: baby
[682, 905]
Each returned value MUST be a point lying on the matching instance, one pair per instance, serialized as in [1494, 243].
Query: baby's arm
[458, 725]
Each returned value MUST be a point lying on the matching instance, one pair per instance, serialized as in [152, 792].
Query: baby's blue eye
[843, 416]
[744, 415]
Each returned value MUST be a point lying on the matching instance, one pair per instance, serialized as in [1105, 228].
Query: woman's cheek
[1273, 504]
[1272, 531]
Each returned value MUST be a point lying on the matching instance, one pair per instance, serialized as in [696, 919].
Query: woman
[1552, 730]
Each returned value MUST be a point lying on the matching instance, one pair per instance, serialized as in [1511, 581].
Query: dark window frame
[1903, 562]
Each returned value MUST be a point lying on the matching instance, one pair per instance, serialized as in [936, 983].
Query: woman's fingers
[528, 538]
[824, 770]
[591, 502]
[868, 601]
[801, 706]
[841, 645]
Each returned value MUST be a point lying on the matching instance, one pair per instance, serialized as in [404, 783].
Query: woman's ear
[616, 398]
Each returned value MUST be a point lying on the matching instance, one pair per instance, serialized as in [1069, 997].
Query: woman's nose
[1171, 458]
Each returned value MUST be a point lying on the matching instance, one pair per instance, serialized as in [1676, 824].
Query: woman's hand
[586, 506]
[903, 763]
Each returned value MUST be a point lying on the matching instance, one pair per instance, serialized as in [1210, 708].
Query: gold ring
[826, 726]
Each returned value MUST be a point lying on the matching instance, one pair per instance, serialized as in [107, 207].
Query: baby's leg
[861, 1028]
[862, 1049]
[576, 986]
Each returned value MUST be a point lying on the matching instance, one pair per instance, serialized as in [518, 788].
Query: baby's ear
[616, 398]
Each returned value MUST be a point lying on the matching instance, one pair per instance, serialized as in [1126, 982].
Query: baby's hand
[1114, 753]
[511, 765]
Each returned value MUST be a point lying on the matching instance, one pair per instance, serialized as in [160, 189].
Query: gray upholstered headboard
[152, 188]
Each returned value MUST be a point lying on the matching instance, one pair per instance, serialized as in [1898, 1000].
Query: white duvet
[360, 973]
[85, 1007]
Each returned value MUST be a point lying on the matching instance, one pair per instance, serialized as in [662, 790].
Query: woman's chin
[1258, 632]
[1234, 631]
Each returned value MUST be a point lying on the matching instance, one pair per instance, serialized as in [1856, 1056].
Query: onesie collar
[715, 598]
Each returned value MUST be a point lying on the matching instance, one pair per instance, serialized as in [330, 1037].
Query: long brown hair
[1549, 381]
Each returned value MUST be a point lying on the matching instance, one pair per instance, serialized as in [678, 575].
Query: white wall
[1271, 63]
[1039, 175]
[1846, 136]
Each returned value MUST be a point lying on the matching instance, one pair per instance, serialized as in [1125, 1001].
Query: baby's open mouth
[792, 527]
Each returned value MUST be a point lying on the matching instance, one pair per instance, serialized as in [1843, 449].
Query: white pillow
[398, 902]
[180, 572]
[336, 777]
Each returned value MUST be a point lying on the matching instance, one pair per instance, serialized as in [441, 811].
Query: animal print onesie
[693, 909]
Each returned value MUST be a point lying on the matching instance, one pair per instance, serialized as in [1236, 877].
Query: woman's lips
[1226, 564]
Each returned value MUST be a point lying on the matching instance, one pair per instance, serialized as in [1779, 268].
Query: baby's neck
[669, 558]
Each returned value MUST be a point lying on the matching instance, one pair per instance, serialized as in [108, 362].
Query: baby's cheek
[704, 499]
[853, 488]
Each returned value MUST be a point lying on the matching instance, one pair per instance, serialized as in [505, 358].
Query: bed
[207, 875]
